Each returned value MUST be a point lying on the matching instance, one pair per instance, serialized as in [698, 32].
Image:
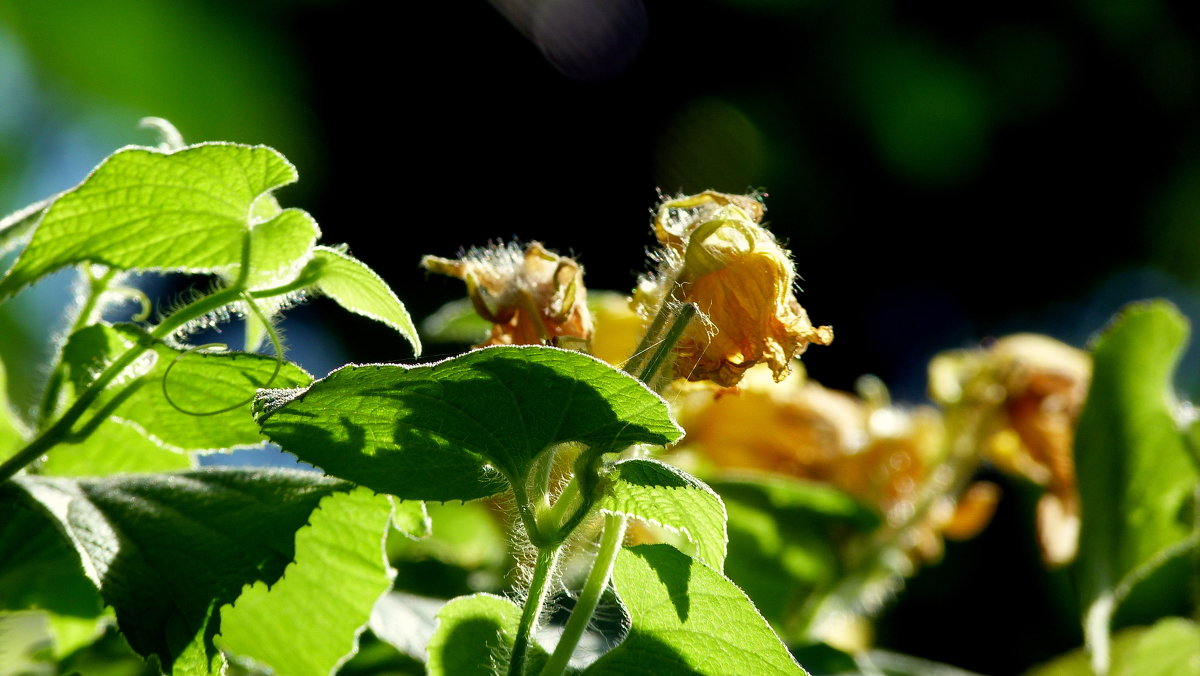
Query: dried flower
[1029, 390]
[532, 296]
[879, 453]
[716, 254]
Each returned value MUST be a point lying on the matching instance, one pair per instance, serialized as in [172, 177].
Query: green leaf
[1135, 475]
[358, 289]
[688, 618]
[411, 518]
[306, 623]
[198, 382]
[39, 570]
[17, 227]
[784, 536]
[115, 446]
[474, 636]
[280, 247]
[429, 432]
[12, 431]
[1170, 646]
[166, 551]
[657, 493]
[456, 322]
[406, 622]
[141, 208]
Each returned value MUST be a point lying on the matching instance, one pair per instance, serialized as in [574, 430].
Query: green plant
[105, 515]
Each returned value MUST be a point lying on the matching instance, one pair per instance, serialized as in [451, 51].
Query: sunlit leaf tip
[143, 208]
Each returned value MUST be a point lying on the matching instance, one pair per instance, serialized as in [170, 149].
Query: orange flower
[531, 296]
[716, 254]
[1029, 390]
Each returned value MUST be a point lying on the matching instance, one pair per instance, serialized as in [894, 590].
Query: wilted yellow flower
[716, 254]
[1029, 390]
[532, 296]
[879, 453]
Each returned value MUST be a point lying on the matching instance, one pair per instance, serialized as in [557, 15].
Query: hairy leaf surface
[429, 432]
[325, 596]
[652, 491]
[1135, 475]
[167, 550]
[688, 618]
[142, 208]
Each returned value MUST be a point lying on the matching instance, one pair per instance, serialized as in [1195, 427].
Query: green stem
[557, 514]
[636, 363]
[96, 288]
[61, 428]
[589, 597]
[647, 369]
[543, 570]
[651, 372]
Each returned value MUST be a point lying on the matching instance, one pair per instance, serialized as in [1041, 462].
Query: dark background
[943, 172]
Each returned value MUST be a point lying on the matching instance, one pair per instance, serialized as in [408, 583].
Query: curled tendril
[132, 293]
[276, 345]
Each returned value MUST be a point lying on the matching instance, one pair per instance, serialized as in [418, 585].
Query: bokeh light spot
[710, 144]
[588, 40]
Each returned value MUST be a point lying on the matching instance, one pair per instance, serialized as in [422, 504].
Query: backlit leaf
[688, 618]
[651, 491]
[198, 383]
[1135, 475]
[475, 634]
[358, 289]
[430, 432]
[146, 209]
[306, 623]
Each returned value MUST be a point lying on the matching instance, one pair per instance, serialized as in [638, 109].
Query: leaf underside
[167, 550]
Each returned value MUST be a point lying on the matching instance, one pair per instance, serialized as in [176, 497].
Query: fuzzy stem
[650, 372]
[96, 288]
[61, 428]
[647, 369]
[566, 499]
[589, 597]
[543, 571]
